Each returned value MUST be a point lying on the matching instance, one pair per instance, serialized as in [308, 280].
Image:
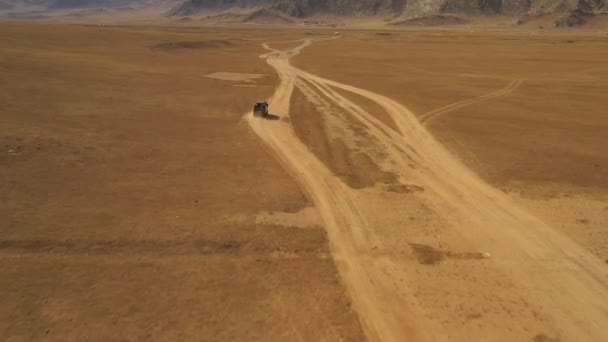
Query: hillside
[533, 13]
[398, 8]
[70, 4]
[88, 3]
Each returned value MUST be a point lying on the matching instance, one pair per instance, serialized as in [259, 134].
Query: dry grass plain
[134, 203]
[526, 111]
[139, 204]
[427, 249]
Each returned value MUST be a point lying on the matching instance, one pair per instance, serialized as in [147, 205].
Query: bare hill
[433, 20]
[401, 9]
[5, 5]
[70, 4]
[267, 17]
[564, 13]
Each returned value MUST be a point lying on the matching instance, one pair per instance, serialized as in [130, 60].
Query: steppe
[410, 184]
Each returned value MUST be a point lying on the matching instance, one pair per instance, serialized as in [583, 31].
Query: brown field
[526, 112]
[135, 202]
[139, 203]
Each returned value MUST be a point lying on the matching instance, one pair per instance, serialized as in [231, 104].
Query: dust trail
[560, 276]
[383, 313]
[512, 86]
[519, 241]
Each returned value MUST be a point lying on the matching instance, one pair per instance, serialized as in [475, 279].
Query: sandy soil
[235, 76]
[526, 121]
[417, 185]
[136, 205]
[551, 280]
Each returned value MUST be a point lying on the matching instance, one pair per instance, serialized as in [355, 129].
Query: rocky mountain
[565, 13]
[397, 8]
[75, 4]
[87, 3]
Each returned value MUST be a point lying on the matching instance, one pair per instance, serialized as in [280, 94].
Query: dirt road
[550, 271]
[427, 117]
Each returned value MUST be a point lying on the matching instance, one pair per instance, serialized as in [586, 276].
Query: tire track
[432, 115]
[568, 282]
[524, 245]
[384, 315]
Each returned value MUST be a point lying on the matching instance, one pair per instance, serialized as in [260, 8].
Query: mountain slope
[68, 4]
[394, 8]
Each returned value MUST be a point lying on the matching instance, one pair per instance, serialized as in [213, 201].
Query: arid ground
[407, 185]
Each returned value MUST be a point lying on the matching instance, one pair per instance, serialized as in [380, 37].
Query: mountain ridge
[396, 8]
